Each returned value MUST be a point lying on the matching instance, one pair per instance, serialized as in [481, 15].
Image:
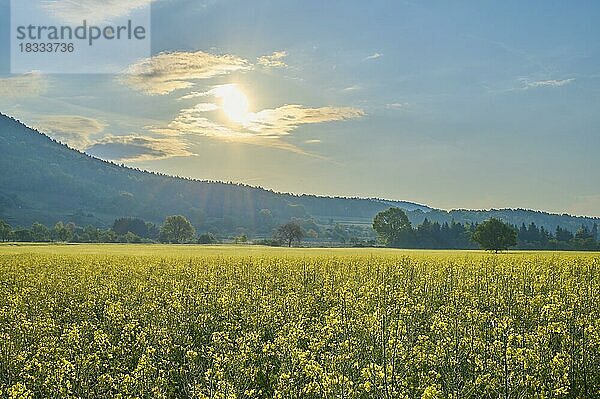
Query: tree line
[392, 227]
[176, 229]
[395, 230]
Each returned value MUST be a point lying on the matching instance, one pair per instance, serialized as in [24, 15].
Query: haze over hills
[44, 181]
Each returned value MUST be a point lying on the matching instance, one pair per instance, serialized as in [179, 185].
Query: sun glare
[234, 103]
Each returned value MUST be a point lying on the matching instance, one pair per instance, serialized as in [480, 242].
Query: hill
[45, 181]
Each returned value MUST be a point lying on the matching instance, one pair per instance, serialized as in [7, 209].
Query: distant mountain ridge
[44, 181]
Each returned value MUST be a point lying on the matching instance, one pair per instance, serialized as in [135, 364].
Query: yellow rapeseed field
[118, 321]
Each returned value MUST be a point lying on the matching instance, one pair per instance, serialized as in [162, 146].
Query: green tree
[177, 230]
[563, 234]
[40, 233]
[495, 235]
[63, 232]
[207, 238]
[90, 234]
[136, 226]
[107, 236]
[5, 231]
[242, 239]
[132, 238]
[312, 234]
[338, 233]
[288, 233]
[583, 233]
[22, 235]
[393, 227]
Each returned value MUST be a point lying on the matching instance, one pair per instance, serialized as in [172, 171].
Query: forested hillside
[44, 181]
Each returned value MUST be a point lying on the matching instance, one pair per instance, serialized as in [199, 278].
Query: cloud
[373, 56]
[86, 134]
[352, 88]
[217, 91]
[264, 128]
[94, 11]
[526, 83]
[76, 131]
[545, 83]
[31, 84]
[274, 60]
[313, 141]
[167, 72]
[190, 123]
[281, 121]
[193, 94]
[396, 105]
[135, 148]
[207, 107]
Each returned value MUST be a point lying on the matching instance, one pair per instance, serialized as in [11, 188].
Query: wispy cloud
[96, 11]
[396, 105]
[167, 72]
[527, 83]
[27, 85]
[136, 148]
[373, 56]
[546, 83]
[351, 88]
[76, 131]
[269, 122]
[274, 60]
[264, 128]
[217, 91]
[193, 94]
[207, 107]
[281, 121]
[190, 123]
[313, 141]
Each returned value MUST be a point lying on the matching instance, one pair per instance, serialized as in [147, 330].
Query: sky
[467, 104]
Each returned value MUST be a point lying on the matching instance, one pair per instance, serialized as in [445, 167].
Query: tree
[5, 231]
[312, 234]
[495, 235]
[90, 234]
[241, 239]
[545, 237]
[338, 233]
[107, 236]
[289, 232]
[40, 233]
[177, 229]
[63, 232]
[22, 235]
[563, 234]
[393, 227]
[207, 238]
[136, 226]
[583, 233]
[132, 238]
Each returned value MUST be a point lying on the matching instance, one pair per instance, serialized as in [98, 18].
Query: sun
[234, 103]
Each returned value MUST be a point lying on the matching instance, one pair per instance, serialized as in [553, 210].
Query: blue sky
[451, 104]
